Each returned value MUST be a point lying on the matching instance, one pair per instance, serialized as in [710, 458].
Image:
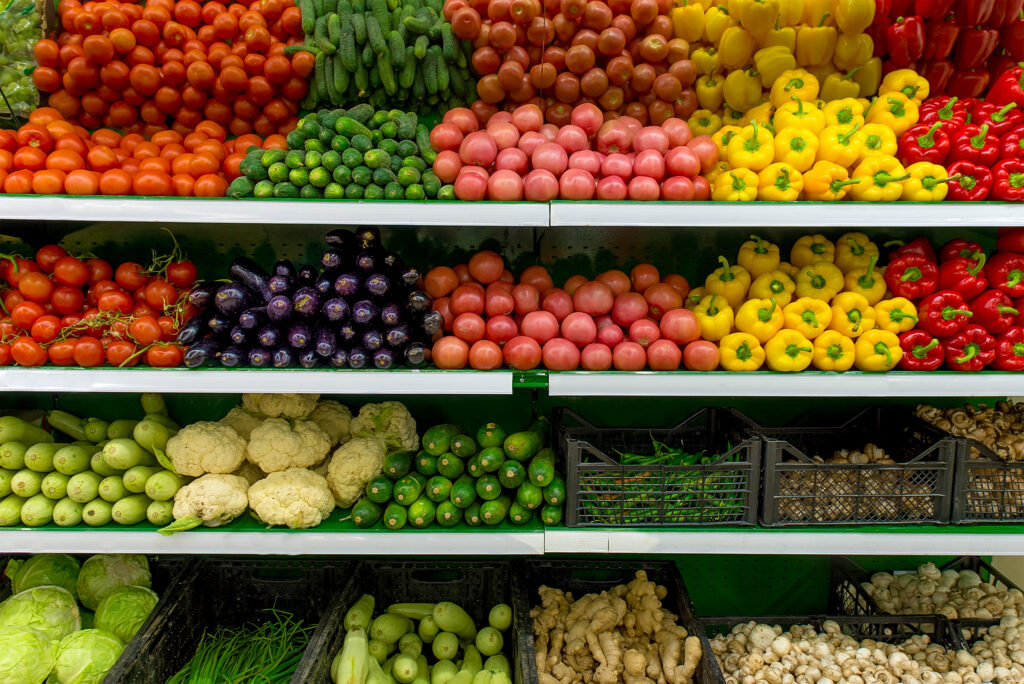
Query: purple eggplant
[418, 301]
[347, 284]
[240, 335]
[279, 309]
[281, 284]
[378, 284]
[332, 259]
[325, 283]
[201, 295]
[309, 359]
[391, 314]
[410, 276]
[369, 261]
[384, 359]
[193, 329]
[347, 332]
[259, 357]
[341, 239]
[250, 319]
[416, 354]
[283, 357]
[232, 299]
[202, 352]
[285, 267]
[269, 336]
[325, 340]
[233, 357]
[339, 359]
[432, 322]
[299, 336]
[335, 310]
[252, 275]
[307, 276]
[367, 238]
[393, 263]
[220, 325]
[305, 301]
[358, 358]
[373, 340]
[365, 311]
[397, 337]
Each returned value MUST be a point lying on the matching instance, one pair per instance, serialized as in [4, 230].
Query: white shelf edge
[765, 384]
[789, 214]
[183, 380]
[290, 212]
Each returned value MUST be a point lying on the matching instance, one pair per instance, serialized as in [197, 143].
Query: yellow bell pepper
[809, 316]
[853, 16]
[706, 60]
[827, 182]
[868, 281]
[840, 144]
[710, 92]
[780, 182]
[788, 352]
[758, 256]
[819, 12]
[729, 282]
[896, 315]
[840, 86]
[894, 110]
[771, 61]
[736, 47]
[781, 36]
[704, 122]
[790, 270]
[759, 16]
[714, 316]
[822, 280]
[822, 72]
[883, 178]
[907, 82]
[730, 117]
[791, 12]
[762, 318]
[722, 137]
[742, 89]
[811, 248]
[877, 350]
[740, 352]
[775, 285]
[688, 21]
[927, 183]
[694, 297]
[853, 50]
[798, 83]
[715, 171]
[716, 20]
[799, 114]
[737, 185]
[815, 43]
[879, 139]
[833, 351]
[753, 148]
[869, 76]
[797, 147]
[851, 314]
[844, 112]
[762, 114]
[854, 250]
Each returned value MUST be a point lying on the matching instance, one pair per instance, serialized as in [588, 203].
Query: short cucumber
[439, 488]
[493, 512]
[472, 515]
[422, 512]
[462, 446]
[519, 515]
[473, 467]
[511, 474]
[551, 515]
[522, 446]
[490, 459]
[437, 439]
[395, 516]
[366, 513]
[448, 514]
[426, 464]
[407, 490]
[529, 496]
[397, 465]
[554, 493]
[463, 492]
[490, 435]
[378, 490]
[488, 487]
[541, 470]
[450, 465]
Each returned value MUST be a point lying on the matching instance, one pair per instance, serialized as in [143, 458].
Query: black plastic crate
[846, 596]
[474, 585]
[603, 492]
[224, 593]
[580, 577]
[917, 489]
[986, 488]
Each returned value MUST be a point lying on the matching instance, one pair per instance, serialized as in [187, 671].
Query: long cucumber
[360, 614]
[125, 453]
[14, 429]
[413, 611]
[354, 663]
[71, 425]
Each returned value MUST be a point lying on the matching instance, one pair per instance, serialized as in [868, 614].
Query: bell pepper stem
[921, 352]
[837, 185]
[978, 141]
[949, 313]
[824, 18]
[912, 273]
[817, 281]
[896, 107]
[970, 351]
[1007, 310]
[727, 274]
[844, 139]
[834, 352]
[765, 315]
[759, 246]
[946, 113]
[883, 349]
[980, 258]
[856, 249]
[929, 182]
[883, 178]
[809, 318]
[927, 141]
[1000, 116]
[794, 351]
[1018, 348]
[799, 106]
[743, 352]
[909, 91]
[752, 144]
[867, 281]
[855, 316]
[1014, 277]
[794, 83]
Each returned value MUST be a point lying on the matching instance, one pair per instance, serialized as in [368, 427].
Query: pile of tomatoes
[132, 67]
[623, 321]
[84, 312]
[50, 156]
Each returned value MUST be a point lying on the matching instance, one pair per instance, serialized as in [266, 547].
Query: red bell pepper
[912, 276]
[976, 144]
[1003, 12]
[933, 9]
[923, 143]
[1011, 38]
[937, 72]
[970, 350]
[974, 46]
[901, 8]
[1011, 145]
[1008, 180]
[999, 62]
[918, 246]
[921, 351]
[969, 83]
[1005, 272]
[964, 275]
[877, 33]
[940, 37]
[883, 8]
[1010, 240]
[1010, 350]
[957, 248]
[972, 182]
[993, 310]
[1008, 87]
[949, 111]
[973, 12]
[943, 314]
[905, 40]
[1000, 119]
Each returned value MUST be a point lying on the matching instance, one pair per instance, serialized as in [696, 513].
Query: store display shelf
[278, 212]
[218, 381]
[785, 214]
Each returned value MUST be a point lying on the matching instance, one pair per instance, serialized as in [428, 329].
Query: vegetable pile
[46, 636]
[363, 309]
[19, 31]
[456, 478]
[394, 645]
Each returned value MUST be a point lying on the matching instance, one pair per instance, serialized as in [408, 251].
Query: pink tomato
[560, 355]
[682, 161]
[505, 135]
[573, 282]
[549, 131]
[588, 160]
[588, 117]
[469, 327]
[644, 189]
[513, 159]
[701, 356]
[527, 298]
[450, 352]
[617, 164]
[540, 185]
[557, 301]
[505, 186]
[485, 355]
[540, 325]
[616, 280]
[677, 189]
[680, 326]
[651, 138]
[594, 298]
[531, 140]
[500, 329]
[664, 355]
[478, 149]
[706, 150]
[468, 297]
[447, 165]
[596, 357]
[644, 331]
[572, 138]
[463, 118]
[470, 187]
[629, 356]
[611, 335]
[522, 353]
[498, 300]
[478, 170]
[577, 184]
[701, 189]
[614, 136]
[500, 116]
[611, 188]
[445, 136]
[678, 131]
[631, 122]
[551, 157]
[629, 307]
[579, 328]
[527, 117]
[649, 163]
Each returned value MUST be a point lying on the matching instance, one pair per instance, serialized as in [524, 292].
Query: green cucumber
[473, 467]
[551, 515]
[529, 496]
[375, 36]
[518, 514]
[462, 446]
[378, 490]
[437, 439]
[554, 493]
[366, 513]
[407, 490]
[450, 465]
[130, 510]
[308, 16]
[541, 470]
[488, 487]
[396, 48]
[448, 514]
[490, 459]
[422, 512]
[522, 446]
[395, 516]
[463, 492]
[439, 488]
[511, 474]
[426, 464]
[493, 512]
[472, 515]
[490, 435]
[397, 465]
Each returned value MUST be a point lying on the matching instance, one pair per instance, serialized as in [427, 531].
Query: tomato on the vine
[45, 328]
[5, 355]
[88, 352]
[25, 314]
[121, 352]
[160, 293]
[130, 275]
[115, 301]
[27, 352]
[70, 271]
[67, 300]
[164, 356]
[168, 326]
[62, 352]
[99, 269]
[145, 330]
[48, 256]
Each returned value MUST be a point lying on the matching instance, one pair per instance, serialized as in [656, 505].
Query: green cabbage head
[102, 574]
[124, 611]
[26, 655]
[51, 610]
[85, 657]
[40, 570]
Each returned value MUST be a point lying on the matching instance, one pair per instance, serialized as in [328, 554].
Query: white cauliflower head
[354, 464]
[389, 419]
[212, 500]
[334, 419]
[278, 444]
[206, 447]
[242, 421]
[280, 405]
[296, 497]
[250, 471]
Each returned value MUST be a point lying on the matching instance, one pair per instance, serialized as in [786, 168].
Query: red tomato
[115, 301]
[573, 282]
[62, 353]
[609, 334]
[145, 330]
[47, 257]
[450, 352]
[121, 353]
[182, 274]
[26, 352]
[616, 280]
[594, 298]
[662, 297]
[67, 300]
[560, 355]
[486, 266]
[468, 298]
[485, 355]
[522, 353]
[440, 281]
[45, 328]
[89, 352]
[70, 271]
[558, 302]
[35, 287]
[501, 329]
[596, 357]
[469, 327]
[164, 356]
[499, 301]
[25, 314]
[644, 332]
[160, 293]
[526, 298]
[664, 355]
[643, 276]
[700, 356]
[130, 276]
[538, 277]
